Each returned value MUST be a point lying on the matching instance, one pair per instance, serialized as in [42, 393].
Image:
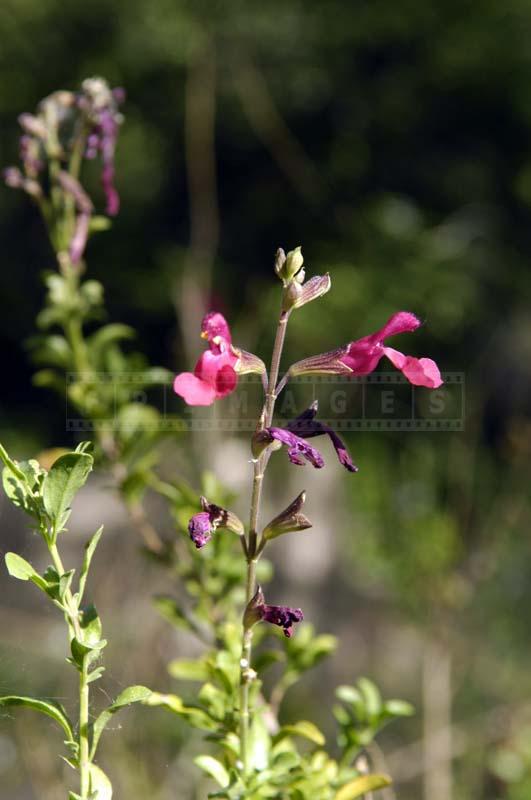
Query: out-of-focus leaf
[214, 768]
[305, 729]
[362, 785]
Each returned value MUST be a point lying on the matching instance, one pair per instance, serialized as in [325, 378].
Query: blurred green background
[393, 141]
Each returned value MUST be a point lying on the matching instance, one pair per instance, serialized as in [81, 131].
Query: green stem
[253, 551]
[84, 760]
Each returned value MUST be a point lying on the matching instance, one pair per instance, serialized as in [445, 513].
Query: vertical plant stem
[260, 465]
[84, 775]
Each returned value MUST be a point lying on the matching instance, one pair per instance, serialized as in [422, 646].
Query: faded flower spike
[216, 372]
[298, 449]
[289, 520]
[307, 427]
[283, 616]
[100, 104]
[362, 356]
[206, 522]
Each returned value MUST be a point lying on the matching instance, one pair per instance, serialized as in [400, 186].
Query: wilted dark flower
[306, 426]
[298, 449]
[257, 610]
[206, 522]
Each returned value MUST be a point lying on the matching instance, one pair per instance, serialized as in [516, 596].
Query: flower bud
[32, 125]
[293, 263]
[280, 259]
[289, 520]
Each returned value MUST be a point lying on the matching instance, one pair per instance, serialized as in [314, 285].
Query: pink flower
[214, 375]
[362, 356]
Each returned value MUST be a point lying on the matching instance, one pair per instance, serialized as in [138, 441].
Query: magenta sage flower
[298, 449]
[362, 356]
[216, 372]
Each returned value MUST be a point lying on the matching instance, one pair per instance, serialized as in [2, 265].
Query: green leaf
[11, 465]
[372, 697]
[196, 717]
[398, 708]
[100, 784]
[90, 547]
[107, 336]
[362, 785]
[133, 694]
[187, 669]
[19, 568]
[66, 476]
[48, 707]
[305, 729]
[214, 768]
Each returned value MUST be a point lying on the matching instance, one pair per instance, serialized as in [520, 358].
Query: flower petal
[401, 322]
[226, 380]
[200, 529]
[194, 390]
[298, 448]
[213, 325]
[418, 371]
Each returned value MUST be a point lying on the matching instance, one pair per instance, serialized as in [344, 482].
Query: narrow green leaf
[11, 465]
[133, 694]
[214, 768]
[48, 707]
[66, 476]
[19, 568]
[305, 729]
[100, 784]
[90, 547]
[187, 669]
[362, 785]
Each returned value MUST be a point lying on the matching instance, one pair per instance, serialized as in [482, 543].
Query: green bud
[289, 520]
[293, 263]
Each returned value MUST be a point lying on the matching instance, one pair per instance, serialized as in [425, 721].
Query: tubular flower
[100, 104]
[307, 427]
[298, 448]
[362, 356]
[206, 522]
[283, 616]
[216, 372]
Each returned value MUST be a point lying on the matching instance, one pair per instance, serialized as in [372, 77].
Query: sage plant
[215, 376]
[46, 497]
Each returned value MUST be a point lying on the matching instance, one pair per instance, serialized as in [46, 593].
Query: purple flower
[206, 522]
[283, 616]
[84, 211]
[298, 449]
[100, 104]
[200, 529]
[307, 427]
[257, 610]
